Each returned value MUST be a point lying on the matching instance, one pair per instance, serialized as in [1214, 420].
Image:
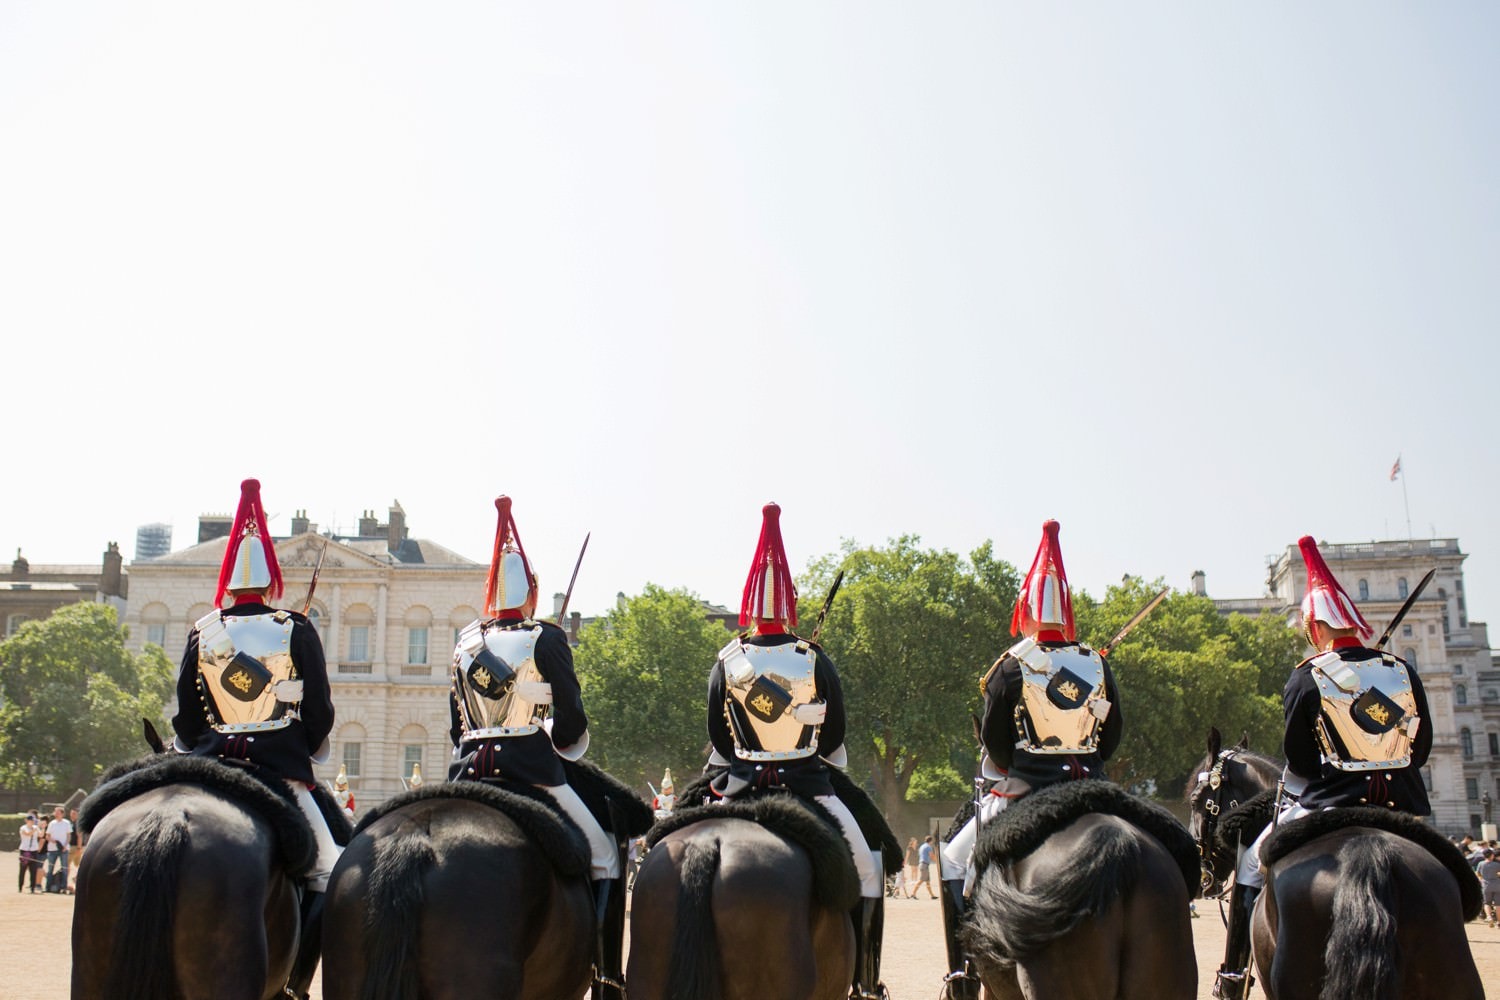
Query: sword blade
[1139, 617]
[312, 585]
[573, 579]
[827, 603]
[1411, 599]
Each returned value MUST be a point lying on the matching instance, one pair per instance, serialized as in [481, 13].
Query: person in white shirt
[58, 832]
[32, 835]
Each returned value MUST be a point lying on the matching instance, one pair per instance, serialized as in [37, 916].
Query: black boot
[309, 944]
[961, 982]
[869, 928]
[609, 924]
[1234, 981]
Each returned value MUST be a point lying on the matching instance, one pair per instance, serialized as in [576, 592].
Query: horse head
[1223, 780]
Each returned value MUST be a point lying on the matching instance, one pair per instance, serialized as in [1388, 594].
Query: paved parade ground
[35, 934]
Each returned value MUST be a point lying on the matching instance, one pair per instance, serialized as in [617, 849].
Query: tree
[74, 698]
[1183, 669]
[912, 631]
[644, 671]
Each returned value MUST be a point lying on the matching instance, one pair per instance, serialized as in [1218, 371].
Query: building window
[1471, 788]
[1364, 589]
[1458, 668]
[1406, 631]
[1495, 744]
[13, 624]
[359, 644]
[1491, 695]
[410, 755]
[1466, 740]
[1461, 695]
[156, 634]
[416, 646]
[1474, 821]
[1401, 588]
[1427, 778]
[351, 759]
[1409, 655]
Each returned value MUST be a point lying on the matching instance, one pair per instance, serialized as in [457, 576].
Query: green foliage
[644, 672]
[74, 698]
[938, 781]
[1184, 669]
[911, 631]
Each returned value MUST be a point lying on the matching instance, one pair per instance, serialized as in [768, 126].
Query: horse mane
[267, 797]
[1026, 824]
[1303, 831]
[1264, 766]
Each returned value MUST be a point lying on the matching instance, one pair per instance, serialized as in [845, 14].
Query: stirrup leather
[1233, 985]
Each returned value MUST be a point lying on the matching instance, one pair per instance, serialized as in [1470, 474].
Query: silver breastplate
[241, 659]
[1062, 699]
[1370, 704]
[765, 686]
[492, 702]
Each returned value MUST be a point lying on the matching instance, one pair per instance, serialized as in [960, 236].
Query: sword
[1410, 600]
[574, 578]
[827, 603]
[1140, 616]
[312, 584]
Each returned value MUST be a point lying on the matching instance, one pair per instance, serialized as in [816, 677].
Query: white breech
[871, 886]
[604, 853]
[1248, 872]
[328, 851]
[958, 853]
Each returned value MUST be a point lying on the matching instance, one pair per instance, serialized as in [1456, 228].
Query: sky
[1186, 277]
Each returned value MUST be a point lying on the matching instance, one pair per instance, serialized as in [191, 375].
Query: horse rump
[1361, 949]
[388, 909]
[1010, 924]
[693, 971]
[141, 965]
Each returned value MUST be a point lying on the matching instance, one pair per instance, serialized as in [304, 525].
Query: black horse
[1082, 892]
[1358, 902]
[188, 888]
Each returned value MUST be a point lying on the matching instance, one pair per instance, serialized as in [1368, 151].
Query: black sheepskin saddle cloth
[531, 809]
[793, 818]
[867, 816]
[258, 791]
[1301, 832]
[1243, 823]
[1027, 822]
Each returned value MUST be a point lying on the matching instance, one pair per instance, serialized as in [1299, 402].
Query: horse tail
[141, 963]
[393, 894]
[693, 973]
[1011, 924]
[1360, 955]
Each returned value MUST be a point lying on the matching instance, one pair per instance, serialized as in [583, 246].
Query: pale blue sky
[1186, 277]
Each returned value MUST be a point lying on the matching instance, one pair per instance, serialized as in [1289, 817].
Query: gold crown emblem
[241, 680]
[1379, 713]
[1068, 690]
[762, 704]
[482, 677]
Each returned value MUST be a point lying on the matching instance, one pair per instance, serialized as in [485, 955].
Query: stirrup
[858, 993]
[1233, 985]
[609, 983]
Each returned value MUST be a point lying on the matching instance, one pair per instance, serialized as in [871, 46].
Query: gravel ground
[35, 933]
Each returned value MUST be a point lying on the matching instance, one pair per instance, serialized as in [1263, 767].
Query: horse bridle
[1213, 807]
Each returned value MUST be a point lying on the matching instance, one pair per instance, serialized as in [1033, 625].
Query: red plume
[249, 519]
[1047, 566]
[769, 571]
[1326, 600]
[505, 533]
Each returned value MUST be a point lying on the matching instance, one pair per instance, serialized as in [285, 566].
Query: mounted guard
[1355, 736]
[663, 801]
[517, 713]
[776, 720]
[1051, 714]
[253, 688]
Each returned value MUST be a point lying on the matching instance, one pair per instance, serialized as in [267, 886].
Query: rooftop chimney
[300, 523]
[396, 529]
[20, 567]
[1200, 583]
[369, 527]
[211, 526]
[111, 583]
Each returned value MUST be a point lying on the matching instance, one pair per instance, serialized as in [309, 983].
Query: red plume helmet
[1045, 598]
[1325, 600]
[770, 596]
[250, 557]
[509, 589]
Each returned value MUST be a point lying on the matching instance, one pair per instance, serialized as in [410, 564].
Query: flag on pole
[1396, 469]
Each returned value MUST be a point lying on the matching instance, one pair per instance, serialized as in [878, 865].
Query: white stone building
[387, 607]
[1451, 653]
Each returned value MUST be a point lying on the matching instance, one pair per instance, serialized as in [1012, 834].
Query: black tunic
[806, 776]
[531, 759]
[998, 731]
[285, 752]
[1398, 788]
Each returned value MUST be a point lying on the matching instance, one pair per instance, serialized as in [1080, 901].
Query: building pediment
[304, 549]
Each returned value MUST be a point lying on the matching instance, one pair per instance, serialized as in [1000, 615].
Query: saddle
[791, 817]
[531, 809]
[1301, 832]
[617, 807]
[1027, 823]
[256, 790]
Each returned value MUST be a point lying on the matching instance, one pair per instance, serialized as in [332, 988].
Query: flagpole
[1405, 502]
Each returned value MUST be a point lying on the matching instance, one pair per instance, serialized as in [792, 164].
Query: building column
[377, 652]
[331, 646]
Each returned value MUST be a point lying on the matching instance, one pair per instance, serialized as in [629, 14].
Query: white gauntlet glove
[288, 691]
[811, 714]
